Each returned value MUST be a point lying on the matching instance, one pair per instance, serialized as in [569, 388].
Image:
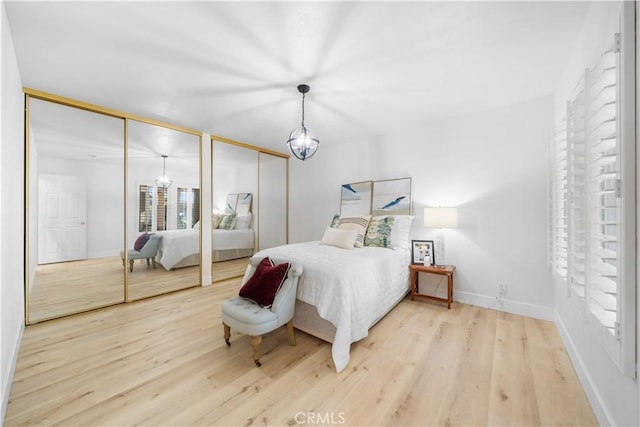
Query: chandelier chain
[303, 94]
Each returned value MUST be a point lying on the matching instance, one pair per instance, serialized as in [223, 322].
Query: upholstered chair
[250, 318]
[148, 252]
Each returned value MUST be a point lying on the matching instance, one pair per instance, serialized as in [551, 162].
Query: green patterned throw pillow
[228, 221]
[379, 232]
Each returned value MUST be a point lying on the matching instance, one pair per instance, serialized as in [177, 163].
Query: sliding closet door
[163, 216]
[234, 176]
[75, 205]
[273, 201]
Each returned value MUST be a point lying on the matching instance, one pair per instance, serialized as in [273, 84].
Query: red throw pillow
[141, 241]
[265, 282]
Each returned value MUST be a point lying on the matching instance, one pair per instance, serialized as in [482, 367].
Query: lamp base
[440, 258]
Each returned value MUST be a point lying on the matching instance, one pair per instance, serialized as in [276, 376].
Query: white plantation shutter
[603, 178]
[559, 213]
[597, 210]
[576, 132]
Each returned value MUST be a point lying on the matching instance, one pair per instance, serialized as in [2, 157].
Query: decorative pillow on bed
[400, 230]
[243, 222]
[215, 220]
[335, 221]
[340, 238]
[265, 282]
[379, 232]
[141, 241]
[358, 223]
[228, 221]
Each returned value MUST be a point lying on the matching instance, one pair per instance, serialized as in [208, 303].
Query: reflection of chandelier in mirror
[163, 181]
[302, 141]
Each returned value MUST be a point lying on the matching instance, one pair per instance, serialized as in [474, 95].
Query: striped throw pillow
[358, 223]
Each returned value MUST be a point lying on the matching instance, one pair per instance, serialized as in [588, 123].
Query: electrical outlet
[503, 289]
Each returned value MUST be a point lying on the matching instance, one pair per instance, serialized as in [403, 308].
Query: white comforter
[351, 288]
[179, 244]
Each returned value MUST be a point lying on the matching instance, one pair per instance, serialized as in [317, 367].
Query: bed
[181, 248]
[344, 292]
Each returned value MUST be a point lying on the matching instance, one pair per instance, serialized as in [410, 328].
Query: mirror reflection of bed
[164, 199]
[234, 189]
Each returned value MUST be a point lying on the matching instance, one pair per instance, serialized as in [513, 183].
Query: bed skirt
[229, 254]
[216, 256]
[307, 319]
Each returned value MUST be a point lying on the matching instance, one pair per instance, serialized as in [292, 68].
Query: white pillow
[339, 237]
[400, 231]
[242, 222]
[196, 226]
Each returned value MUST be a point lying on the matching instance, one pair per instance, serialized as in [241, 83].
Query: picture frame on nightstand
[422, 252]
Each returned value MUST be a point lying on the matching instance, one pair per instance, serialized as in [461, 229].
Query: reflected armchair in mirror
[147, 250]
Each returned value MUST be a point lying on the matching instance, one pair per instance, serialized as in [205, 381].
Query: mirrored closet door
[75, 205]
[163, 210]
[235, 208]
[249, 185]
[273, 201]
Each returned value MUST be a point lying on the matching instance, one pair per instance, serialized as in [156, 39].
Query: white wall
[613, 396]
[491, 165]
[11, 211]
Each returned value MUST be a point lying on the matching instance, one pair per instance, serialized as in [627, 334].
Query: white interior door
[62, 216]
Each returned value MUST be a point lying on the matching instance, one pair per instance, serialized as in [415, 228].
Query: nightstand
[445, 270]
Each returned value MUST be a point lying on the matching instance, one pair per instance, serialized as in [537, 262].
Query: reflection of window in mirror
[148, 205]
[145, 217]
[188, 207]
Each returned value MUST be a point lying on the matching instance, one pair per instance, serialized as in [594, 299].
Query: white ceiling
[231, 68]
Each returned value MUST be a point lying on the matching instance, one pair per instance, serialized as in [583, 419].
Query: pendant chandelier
[163, 181]
[302, 142]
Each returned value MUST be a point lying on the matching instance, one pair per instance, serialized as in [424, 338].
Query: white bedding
[351, 288]
[179, 244]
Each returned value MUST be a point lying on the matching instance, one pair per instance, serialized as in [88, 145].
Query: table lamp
[440, 218]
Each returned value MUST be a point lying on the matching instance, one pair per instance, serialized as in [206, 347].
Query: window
[145, 211]
[592, 191]
[152, 208]
[188, 207]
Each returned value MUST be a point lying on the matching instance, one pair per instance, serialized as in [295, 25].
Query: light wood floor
[163, 361]
[72, 287]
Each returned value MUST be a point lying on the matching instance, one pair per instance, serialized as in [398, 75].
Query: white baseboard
[506, 305]
[602, 414]
[6, 387]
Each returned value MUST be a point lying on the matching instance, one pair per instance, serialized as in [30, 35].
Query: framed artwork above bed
[243, 206]
[231, 203]
[355, 199]
[391, 197]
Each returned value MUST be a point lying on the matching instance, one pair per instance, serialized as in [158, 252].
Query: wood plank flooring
[72, 287]
[163, 362]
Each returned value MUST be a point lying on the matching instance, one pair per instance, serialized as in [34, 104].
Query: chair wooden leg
[131, 265]
[153, 262]
[148, 262]
[227, 333]
[255, 345]
[292, 337]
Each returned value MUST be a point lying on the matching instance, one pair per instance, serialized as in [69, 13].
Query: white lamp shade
[441, 217]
